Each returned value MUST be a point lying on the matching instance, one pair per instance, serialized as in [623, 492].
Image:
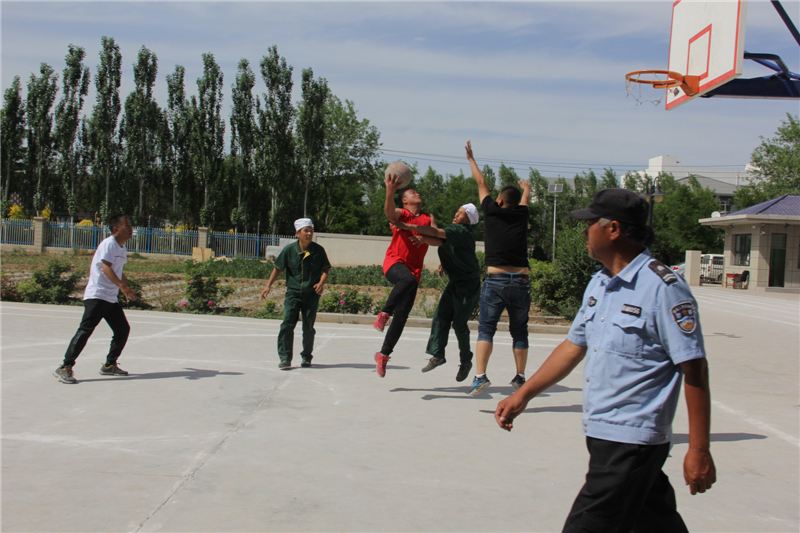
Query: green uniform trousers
[455, 307]
[295, 305]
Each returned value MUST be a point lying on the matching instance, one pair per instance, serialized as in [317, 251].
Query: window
[741, 249]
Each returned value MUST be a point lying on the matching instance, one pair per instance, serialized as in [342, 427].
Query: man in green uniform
[306, 265]
[457, 255]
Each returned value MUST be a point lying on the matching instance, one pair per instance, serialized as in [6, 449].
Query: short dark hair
[400, 194]
[115, 221]
[511, 195]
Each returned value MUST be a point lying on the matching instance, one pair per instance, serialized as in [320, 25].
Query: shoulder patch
[685, 316]
[663, 272]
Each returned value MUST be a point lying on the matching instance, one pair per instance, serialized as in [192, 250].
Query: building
[763, 239]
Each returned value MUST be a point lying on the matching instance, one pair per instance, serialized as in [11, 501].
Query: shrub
[8, 289]
[85, 223]
[270, 310]
[203, 293]
[238, 267]
[361, 275]
[17, 212]
[348, 301]
[51, 285]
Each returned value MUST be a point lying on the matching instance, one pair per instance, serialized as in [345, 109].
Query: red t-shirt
[402, 250]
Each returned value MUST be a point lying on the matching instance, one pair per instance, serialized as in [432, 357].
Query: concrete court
[206, 434]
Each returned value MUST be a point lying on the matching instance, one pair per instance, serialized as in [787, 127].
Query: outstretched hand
[525, 185]
[469, 151]
[398, 224]
[417, 240]
[391, 182]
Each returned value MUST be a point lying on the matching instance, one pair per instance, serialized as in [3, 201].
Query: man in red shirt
[402, 267]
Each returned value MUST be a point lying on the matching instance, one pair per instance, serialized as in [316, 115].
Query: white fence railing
[247, 244]
[16, 231]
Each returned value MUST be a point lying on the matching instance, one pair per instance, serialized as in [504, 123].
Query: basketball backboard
[706, 42]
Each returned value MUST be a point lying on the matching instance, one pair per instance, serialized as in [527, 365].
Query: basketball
[398, 168]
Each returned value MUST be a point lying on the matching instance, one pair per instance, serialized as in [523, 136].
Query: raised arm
[391, 210]
[428, 231]
[561, 362]
[477, 175]
[699, 471]
[526, 192]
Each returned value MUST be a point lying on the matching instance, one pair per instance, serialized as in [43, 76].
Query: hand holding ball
[402, 171]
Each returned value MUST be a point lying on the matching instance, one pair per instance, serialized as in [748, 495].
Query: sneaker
[479, 385]
[64, 375]
[381, 321]
[517, 382]
[463, 371]
[283, 365]
[433, 362]
[112, 370]
[306, 363]
[381, 359]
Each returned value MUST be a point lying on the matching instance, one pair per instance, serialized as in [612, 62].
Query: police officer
[638, 329]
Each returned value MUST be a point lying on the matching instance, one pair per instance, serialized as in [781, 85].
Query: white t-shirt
[99, 286]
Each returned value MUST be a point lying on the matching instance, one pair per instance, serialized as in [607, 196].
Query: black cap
[621, 205]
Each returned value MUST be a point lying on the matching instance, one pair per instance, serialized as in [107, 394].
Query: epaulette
[663, 271]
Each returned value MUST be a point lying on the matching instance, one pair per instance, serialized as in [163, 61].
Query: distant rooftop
[786, 205]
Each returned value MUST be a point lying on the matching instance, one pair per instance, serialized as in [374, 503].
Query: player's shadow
[187, 373]
[356, 365]
[683, 438]
[489, 393]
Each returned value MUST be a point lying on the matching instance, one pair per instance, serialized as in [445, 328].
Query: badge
[592, 301]
[685, 317]
[629, 309]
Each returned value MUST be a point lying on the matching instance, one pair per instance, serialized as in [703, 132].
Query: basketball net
[645, 85]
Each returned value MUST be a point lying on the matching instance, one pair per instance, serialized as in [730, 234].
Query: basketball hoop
[658, 79]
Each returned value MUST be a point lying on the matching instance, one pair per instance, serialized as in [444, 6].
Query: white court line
[795, 324]
[758, 423]
[716, 300]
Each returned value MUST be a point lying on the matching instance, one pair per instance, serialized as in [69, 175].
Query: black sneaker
[433, 362]
[463, 371]
[283, 365]
[517, 382]
[64, 375]
[112, 370]
[306, 363]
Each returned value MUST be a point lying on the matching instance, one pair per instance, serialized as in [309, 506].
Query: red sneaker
[381, 321]
[381, 359]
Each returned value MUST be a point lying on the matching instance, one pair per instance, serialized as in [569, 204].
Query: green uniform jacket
[457, 253]
[303, 269]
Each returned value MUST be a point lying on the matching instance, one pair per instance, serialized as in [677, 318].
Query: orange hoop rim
[675, 79]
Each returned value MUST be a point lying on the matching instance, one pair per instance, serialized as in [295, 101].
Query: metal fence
[65, 235]
[16, 231]
[162, 241]
[249, 245]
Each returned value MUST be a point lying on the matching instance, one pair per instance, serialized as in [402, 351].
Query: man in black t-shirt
[506, 286]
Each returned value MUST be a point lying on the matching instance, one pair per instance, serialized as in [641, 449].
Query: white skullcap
[472, 213]
[301, 223]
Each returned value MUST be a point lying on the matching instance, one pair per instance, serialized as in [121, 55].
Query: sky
[531, 84]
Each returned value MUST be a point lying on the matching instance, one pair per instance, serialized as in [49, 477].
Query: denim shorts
[501, 292]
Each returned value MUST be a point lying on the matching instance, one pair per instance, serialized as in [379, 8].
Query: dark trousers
[295, 305]
[455, 307]
[625, 492]
[399, 303]
[93, 312]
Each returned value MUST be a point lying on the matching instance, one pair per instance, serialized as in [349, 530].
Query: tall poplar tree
[12, 151]
[75, 86]
[208, 131]
[243, 140]
[276, 154]
[103, 123]
[41, 96]
[141, 126]
[178, 125]
[311, 130]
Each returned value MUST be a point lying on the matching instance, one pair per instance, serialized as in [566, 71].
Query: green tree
[507, 176]
[12, 151]
[103, 122]
[140, 128]
[776, 166]
[208, 131]
[178, 159]
[243, 140]
[276, 149]
[41, 96]
[609, 180]
[75, 87]
[311, 130]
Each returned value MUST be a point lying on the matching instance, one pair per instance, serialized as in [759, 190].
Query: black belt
[508, 276]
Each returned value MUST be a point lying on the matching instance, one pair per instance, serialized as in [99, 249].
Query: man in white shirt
[100, 300]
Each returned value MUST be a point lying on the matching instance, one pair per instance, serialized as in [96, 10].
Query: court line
[758, 423]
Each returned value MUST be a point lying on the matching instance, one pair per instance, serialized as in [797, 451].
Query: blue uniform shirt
[637, 327]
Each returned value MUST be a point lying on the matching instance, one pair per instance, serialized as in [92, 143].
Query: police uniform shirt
[303, 269]
[637, 327]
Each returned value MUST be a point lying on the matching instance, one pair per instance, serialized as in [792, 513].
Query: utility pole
[554, 189]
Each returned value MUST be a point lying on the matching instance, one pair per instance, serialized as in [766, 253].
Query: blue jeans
[501, 292]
